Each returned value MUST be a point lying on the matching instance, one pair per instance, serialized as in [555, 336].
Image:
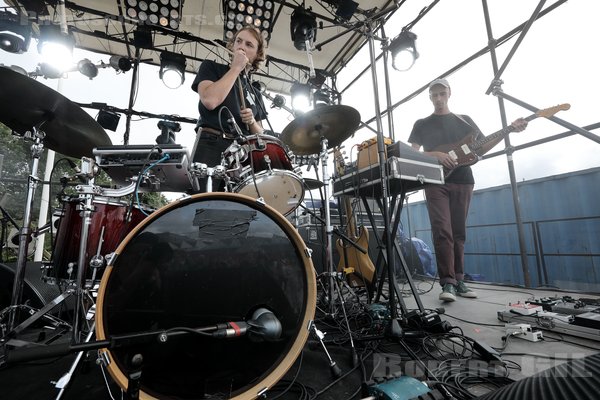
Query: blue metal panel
[561, 216]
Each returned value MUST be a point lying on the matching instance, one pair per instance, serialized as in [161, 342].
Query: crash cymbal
[310, 184]
[25, 103]
[335, 123]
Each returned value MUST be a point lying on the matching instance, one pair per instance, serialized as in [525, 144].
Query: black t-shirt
[212, 71]
[436, 130]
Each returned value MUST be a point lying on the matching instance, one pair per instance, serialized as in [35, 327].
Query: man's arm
[443, 158]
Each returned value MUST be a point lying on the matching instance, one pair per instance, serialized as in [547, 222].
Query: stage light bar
[163, 13]
[14, 36]
[240, 13]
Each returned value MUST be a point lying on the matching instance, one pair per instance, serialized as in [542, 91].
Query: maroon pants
[448, 206]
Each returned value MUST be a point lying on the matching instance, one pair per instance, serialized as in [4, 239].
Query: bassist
[448, 204]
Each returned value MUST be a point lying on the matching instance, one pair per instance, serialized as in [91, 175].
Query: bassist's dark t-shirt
[436, 130]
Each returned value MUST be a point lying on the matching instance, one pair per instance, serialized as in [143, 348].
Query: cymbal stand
[36, 150]
[87, 192]
[331, 273]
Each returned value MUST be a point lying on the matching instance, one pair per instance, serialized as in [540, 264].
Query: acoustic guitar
[468, 150]
[356, 265]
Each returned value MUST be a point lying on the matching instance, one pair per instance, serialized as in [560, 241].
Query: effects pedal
[523, 331]
[524, 308]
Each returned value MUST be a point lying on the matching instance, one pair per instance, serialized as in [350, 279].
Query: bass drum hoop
[311, 296]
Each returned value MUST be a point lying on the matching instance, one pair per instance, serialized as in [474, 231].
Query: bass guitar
[356, 265]
[468, 151]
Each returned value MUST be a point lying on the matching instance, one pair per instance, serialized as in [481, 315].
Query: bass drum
[195, 263]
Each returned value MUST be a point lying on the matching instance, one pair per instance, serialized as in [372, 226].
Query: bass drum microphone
[264, 326]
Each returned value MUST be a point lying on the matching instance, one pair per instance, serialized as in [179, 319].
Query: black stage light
[301, 98]
[120, 64]
[56, 46]
[142, 38]
[240, 13]
[108, 119]
[163, 13]
[14, 36]
[303, 27]
[403, 50]
[172, 69]
[345, 9]
[87, 68]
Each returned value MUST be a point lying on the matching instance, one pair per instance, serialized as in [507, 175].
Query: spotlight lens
[250, 1]
[266, 24]
[267, 14]
[231, 15]
[250, 10]
[268, 5]
[131, 13]
[153, 18]
[238, 27]
[403, 60]
[239, 17]
[143, 6]
[164, 2]
[232, 4]
[163, 21]
[265, 34]
[57, 55]
[172, 78]
[174, 24]
[153, 7]
[164, 11]
[174, 3]
[229, 34]
[260, 3]
[259, 12]
[241, 7]
[142, 16]
[248, 20]
[257, 23]
[174, 14]
[132, 3]
[230, 25]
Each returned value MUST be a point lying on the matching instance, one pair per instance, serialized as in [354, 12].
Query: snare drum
[262, 168]
[109, 226]
[199, 262]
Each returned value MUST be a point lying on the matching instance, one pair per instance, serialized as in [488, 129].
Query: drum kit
[191, 268]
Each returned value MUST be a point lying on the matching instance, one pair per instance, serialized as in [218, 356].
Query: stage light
[240, 13]
[172, 69]
[278, 101]
[120, 64]
[108, 119]
[163, 13]
[403, 50]
[56, 47]
[87, 68]
[345, 9]
[301, 101]
[303, 27]
[14, 37]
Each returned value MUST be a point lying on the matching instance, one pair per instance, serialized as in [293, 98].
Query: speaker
[36, 292]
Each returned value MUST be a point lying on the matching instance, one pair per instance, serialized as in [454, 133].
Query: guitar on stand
[468, 151]
[356, 265]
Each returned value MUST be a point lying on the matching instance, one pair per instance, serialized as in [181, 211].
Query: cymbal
[335, 123]
[311, 184]
[25, 103]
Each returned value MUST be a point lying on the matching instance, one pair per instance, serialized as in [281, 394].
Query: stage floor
[416, 352]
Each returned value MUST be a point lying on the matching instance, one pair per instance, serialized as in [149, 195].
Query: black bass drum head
[198, 262]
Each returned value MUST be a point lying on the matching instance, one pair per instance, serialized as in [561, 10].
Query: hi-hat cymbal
[310, 184]
[26, 103]
[335, 123]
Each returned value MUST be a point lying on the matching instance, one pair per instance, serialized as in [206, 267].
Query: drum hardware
[336, 371]
[200, 170]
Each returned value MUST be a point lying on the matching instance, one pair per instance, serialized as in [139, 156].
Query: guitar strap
[475, 131]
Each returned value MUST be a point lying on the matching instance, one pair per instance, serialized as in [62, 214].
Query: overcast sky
[557, 62]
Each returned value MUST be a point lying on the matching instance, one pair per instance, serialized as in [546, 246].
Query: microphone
[264, 326]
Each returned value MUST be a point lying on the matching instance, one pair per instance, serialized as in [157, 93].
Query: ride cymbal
[335, 123]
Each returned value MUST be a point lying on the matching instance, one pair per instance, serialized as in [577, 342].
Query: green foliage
[15, 152]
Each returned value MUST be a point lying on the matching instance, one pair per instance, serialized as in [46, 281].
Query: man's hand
[519, 124]
[445, 159]
[240, 61]
[247, 116]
